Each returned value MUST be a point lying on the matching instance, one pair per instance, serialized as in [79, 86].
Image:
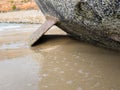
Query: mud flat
[58, 62]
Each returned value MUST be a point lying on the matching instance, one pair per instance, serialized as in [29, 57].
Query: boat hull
[87, 20]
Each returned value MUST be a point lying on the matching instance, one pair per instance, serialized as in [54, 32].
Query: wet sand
[58, 62]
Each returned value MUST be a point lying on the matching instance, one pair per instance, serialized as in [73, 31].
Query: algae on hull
[94, 21]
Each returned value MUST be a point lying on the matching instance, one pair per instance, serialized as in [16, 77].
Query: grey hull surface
[93, 21]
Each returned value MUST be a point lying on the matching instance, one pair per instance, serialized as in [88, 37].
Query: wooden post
[50, 21]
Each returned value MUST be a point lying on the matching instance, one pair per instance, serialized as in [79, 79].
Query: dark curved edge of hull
[80, 32]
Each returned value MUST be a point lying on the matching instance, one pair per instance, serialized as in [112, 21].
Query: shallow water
[58, 62]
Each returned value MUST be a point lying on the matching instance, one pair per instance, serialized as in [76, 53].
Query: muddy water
[57, 63]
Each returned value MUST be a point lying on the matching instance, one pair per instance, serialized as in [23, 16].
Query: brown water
[58, 63]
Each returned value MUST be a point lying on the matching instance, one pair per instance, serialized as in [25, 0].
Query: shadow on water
[58, 62]
[46, 38]
[52, 40]
[49, 38]
[69, 64]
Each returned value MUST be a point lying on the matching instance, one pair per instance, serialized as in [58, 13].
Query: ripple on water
[79, 88]
[3, 28]
[20, 73]
[13, 46]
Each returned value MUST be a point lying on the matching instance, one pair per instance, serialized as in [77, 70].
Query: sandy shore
[27, 16]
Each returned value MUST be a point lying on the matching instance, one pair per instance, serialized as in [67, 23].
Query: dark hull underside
[93, 21]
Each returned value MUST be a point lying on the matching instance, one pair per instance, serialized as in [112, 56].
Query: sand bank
[27, 16]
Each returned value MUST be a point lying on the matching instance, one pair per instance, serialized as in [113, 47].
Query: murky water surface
[57, 63]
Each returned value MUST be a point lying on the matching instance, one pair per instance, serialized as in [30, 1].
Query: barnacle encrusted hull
[94, 21]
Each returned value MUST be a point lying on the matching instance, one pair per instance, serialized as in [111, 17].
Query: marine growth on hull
[93, 21]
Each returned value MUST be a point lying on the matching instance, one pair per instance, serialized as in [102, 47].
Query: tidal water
[57, 62]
